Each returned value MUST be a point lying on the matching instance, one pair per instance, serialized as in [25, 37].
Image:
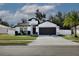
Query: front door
[34, 30]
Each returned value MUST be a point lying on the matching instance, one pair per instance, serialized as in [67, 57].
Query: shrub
[34, 35]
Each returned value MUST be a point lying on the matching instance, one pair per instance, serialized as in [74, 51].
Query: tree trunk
[75, 32]
[72, 31]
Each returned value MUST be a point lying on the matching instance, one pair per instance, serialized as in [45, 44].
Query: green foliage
[57, 19]
[3, 22]
[34, 35]
[72, 20]
[11, 37]
[72, 38]
[15, 40]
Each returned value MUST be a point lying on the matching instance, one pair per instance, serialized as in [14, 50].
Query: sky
[14, 12]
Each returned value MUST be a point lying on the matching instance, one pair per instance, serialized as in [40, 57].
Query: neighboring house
[6, 30]
[77, 29]
[11, 31]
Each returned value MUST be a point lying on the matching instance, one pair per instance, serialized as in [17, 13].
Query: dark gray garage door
[47, 31]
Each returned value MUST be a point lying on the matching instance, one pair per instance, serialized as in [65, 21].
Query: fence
[64, 32]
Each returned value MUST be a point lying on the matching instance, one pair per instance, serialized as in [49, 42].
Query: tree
[3, 22]
[60, 18]
[72, 20]
[57, 19]
[40, 16]
[51, 18]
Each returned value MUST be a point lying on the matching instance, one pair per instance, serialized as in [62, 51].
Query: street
[39, 50]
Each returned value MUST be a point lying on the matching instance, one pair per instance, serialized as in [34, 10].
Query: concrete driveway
[52, 40]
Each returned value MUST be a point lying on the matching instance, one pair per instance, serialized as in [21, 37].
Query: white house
[77, 29]
[11, 31]
[6, 30]
[45, 28]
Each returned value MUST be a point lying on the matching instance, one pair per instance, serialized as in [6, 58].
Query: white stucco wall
[57, 30]
[65, 32]
[3, 30]
[37, 30]
[29, 28]
[17, 29]
[8, 30]
[77, 31]
[33, 22]
[11, 32]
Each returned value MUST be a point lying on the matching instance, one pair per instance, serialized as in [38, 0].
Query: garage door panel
[47, 31]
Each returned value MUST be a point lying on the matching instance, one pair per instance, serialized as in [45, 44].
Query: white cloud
[27, 11]
[33, 7]
[4, 13]
[30, 9]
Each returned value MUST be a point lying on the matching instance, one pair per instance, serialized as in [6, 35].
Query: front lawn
[12, 37]
[71, 37]
[15, 40]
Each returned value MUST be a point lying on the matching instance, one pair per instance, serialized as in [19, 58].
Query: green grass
[11, 37]
[71, 37]
[15, 40]
[11, 42]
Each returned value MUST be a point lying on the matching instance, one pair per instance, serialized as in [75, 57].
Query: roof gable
[47, 24]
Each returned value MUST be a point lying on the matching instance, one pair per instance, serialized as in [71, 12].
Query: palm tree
[72, 20]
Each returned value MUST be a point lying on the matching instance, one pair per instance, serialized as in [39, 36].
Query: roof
[47, 24]
[32, 19]
[2, 26]
[6, 27]
[21, 24]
